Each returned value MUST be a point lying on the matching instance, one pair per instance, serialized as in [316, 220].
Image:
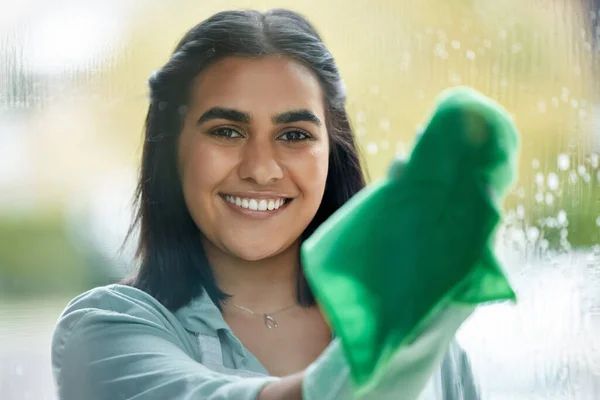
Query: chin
[256, 252]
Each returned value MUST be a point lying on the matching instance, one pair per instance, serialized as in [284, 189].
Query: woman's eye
[294, 136]
[226, 133]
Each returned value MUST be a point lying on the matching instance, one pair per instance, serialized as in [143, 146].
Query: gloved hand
[399, 268]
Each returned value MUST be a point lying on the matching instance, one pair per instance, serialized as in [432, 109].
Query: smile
[256, 204]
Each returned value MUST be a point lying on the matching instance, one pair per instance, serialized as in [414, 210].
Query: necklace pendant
[270, 322]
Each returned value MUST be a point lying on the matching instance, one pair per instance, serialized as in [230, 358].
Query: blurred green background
[73, 98]
[75, 103]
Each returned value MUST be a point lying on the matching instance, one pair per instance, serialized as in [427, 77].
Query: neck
[265, 285]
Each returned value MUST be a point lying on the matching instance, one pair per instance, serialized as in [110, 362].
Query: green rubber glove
[399, 267]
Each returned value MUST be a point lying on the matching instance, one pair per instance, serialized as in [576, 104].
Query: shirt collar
[201, 315]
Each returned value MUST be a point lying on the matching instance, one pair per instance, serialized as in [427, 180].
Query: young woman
[248, 148]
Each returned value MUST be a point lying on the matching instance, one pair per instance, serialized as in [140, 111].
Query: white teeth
[262, 205]
[255, 204]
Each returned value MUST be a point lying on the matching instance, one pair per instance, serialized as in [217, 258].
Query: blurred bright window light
[73, 37]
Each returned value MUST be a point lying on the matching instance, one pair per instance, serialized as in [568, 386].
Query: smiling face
[254, 155]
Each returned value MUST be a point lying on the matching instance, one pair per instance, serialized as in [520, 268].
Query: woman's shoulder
[112, 303]
[114, 298]
[100, 315]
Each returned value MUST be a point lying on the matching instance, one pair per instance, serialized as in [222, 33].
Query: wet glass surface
[72, 103]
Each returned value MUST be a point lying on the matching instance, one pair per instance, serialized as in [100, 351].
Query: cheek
[310, 172]
[204, 167]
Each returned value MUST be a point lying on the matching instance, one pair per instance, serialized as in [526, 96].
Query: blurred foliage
[38, 257]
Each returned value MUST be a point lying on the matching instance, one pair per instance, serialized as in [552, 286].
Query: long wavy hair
[173, 267]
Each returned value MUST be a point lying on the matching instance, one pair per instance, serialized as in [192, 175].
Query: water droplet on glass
[564, 91]
[539, 178]
[372, 148]
[384, 124]
[573, 177]
[539, 197]
[520, 211]
[533, 233]
[440, 51]
[563, 161]
[561, 217]
[516, 48]
[552, 181]
[510, 215]
[541, 106]
[455, 79]
[586, 177]
[594, 160]
[400, 149]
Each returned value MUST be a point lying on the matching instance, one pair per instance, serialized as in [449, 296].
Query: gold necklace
[268, 318]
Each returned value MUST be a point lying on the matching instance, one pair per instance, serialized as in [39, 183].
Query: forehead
[268, 84]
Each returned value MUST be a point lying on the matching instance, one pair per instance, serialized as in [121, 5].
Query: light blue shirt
[117, 342]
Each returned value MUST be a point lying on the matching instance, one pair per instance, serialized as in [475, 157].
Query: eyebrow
[296, 116]
[229, 114]
[234, 115]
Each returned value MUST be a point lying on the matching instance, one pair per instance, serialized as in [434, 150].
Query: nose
[259, 163]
